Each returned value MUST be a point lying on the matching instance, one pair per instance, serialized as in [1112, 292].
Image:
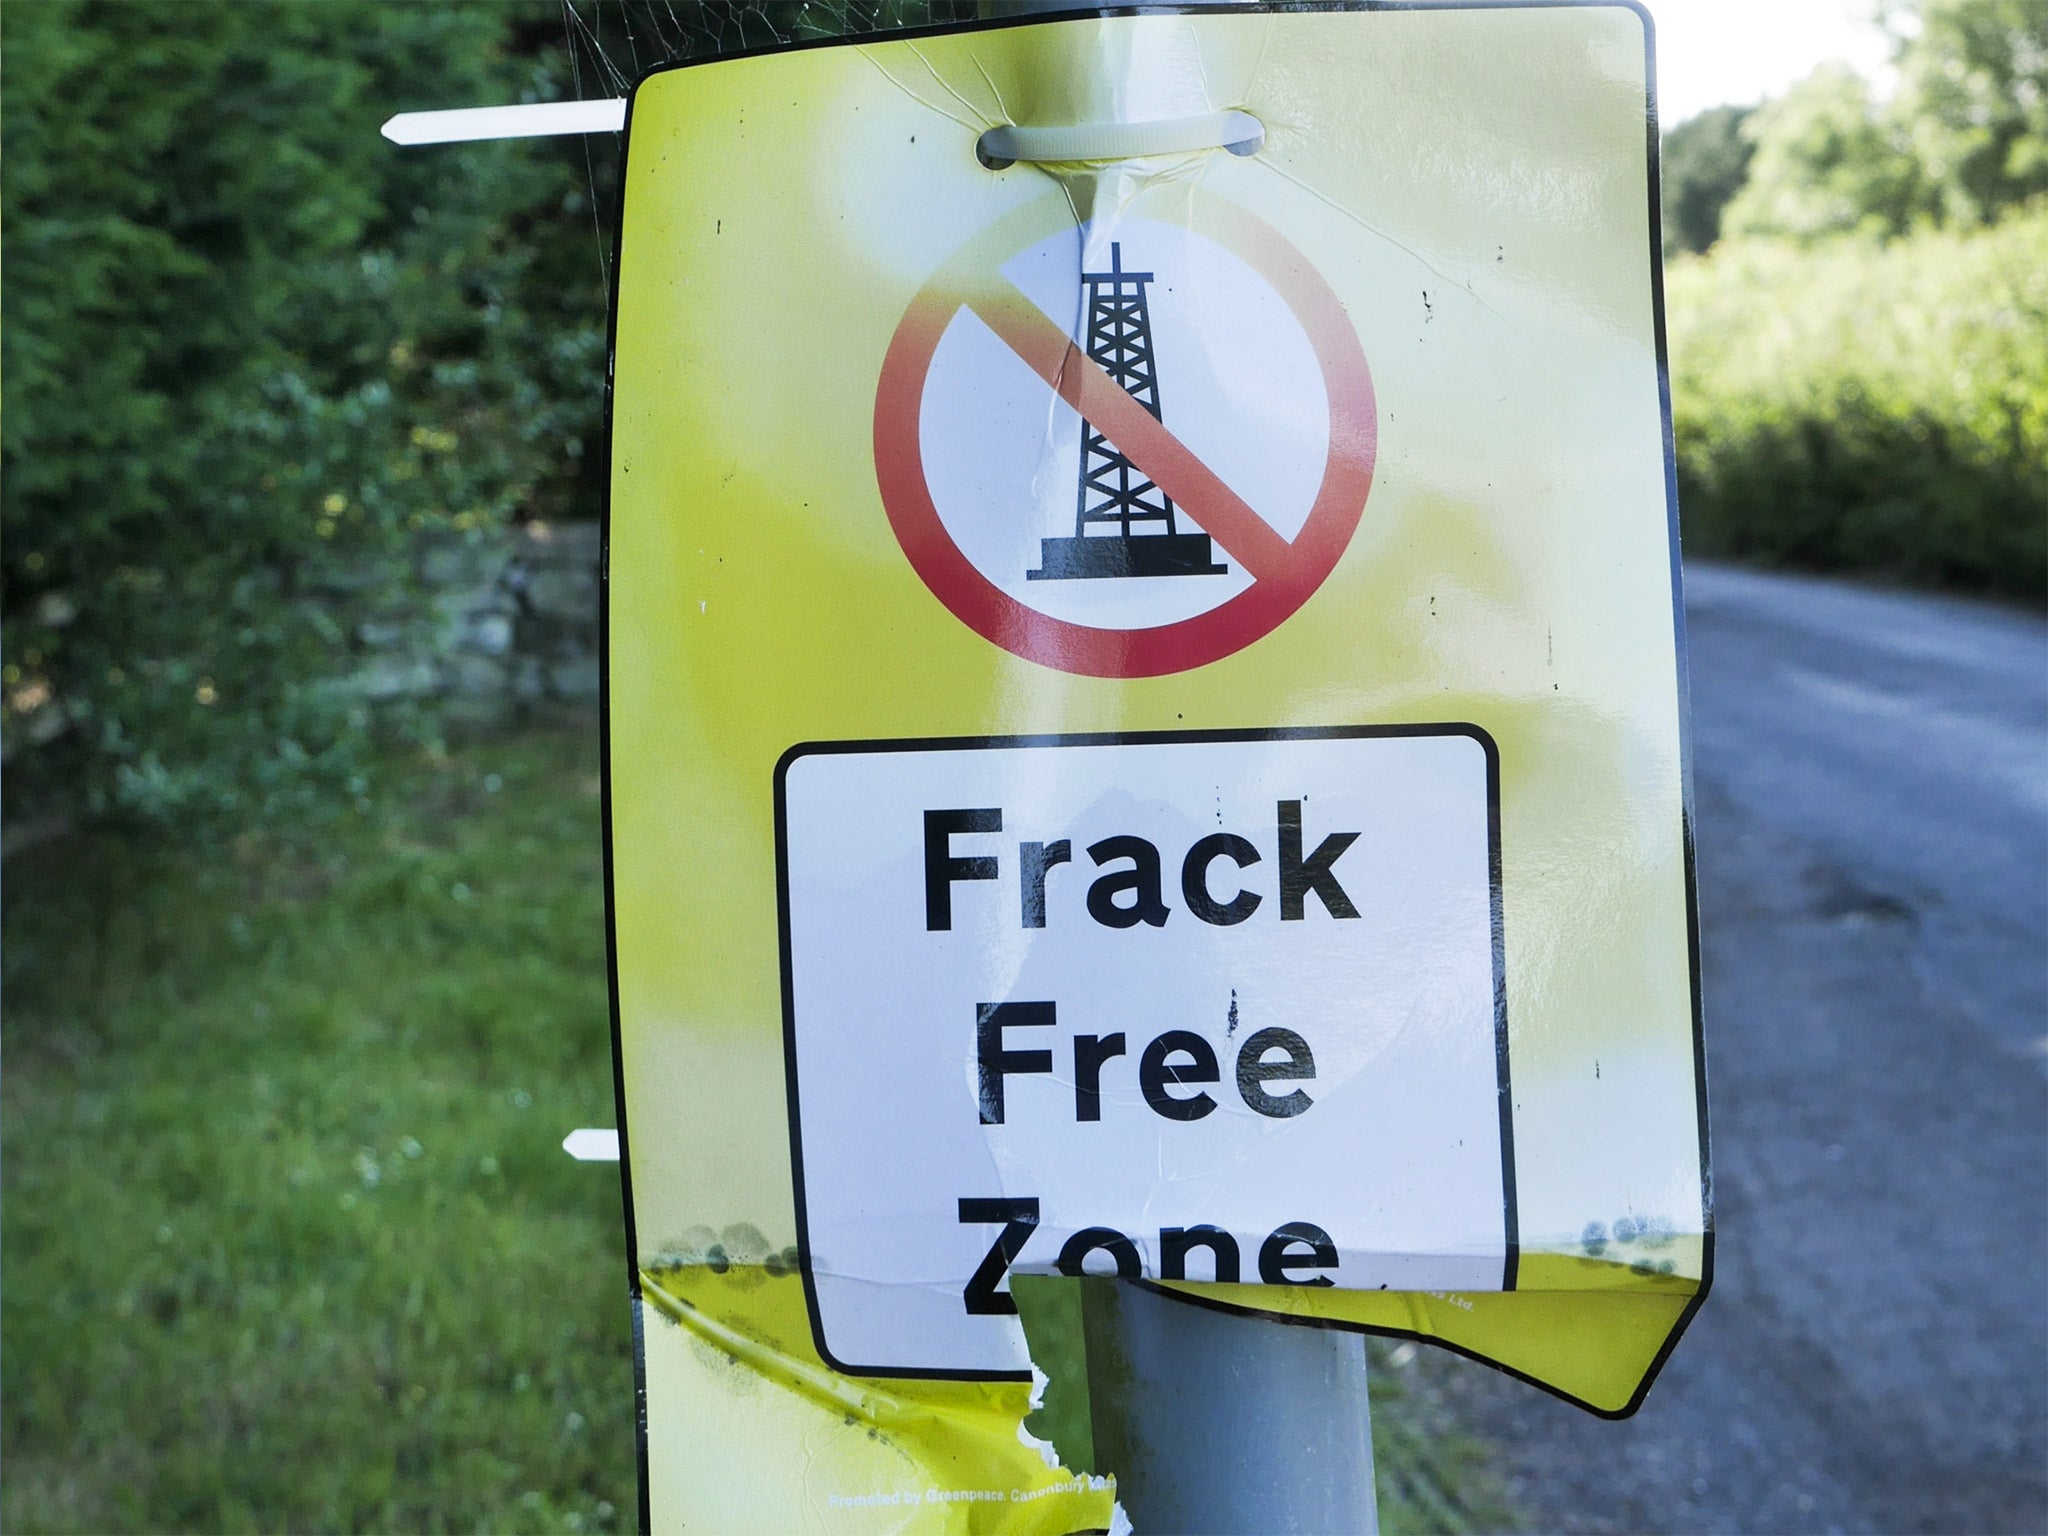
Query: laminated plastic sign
[1145, 728]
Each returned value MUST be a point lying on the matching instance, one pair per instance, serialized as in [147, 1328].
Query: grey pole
[1219, 1422]
[1216, 1422]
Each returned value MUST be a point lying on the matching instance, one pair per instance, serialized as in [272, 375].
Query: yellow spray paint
[1473, 188]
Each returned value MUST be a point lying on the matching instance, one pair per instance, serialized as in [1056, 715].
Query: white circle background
[1239, 385]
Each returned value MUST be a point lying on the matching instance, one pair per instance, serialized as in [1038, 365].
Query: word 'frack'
[1130, 889]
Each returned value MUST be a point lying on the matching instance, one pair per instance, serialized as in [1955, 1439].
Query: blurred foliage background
[251, 350]
[303, 990]
[1857, 303]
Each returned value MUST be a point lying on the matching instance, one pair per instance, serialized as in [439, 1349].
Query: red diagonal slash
[1285, 572]
[1080, 381]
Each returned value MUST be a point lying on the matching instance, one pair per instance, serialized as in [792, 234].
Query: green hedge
[1864, 407]
[251, 350]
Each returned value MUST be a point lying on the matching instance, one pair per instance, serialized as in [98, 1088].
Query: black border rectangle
[1510, 1215]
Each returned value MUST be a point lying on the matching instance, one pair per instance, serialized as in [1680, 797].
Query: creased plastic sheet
[1404, 393]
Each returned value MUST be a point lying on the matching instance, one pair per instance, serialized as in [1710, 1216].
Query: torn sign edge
[1687, 801]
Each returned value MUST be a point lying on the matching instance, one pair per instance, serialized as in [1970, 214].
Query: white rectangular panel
[1264, 998]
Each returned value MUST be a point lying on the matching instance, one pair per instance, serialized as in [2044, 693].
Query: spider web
[613, 42]
[609, 44]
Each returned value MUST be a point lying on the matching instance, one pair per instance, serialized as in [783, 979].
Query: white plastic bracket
[537, 120]
[592, 1145]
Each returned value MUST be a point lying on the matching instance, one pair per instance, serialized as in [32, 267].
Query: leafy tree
[1973, 102]
[1858, 405]
[1881, 404]
[250, 350]
[1964, 139]
[1705, 162]
[1828, 161]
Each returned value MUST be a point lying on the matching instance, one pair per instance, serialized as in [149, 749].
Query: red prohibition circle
[1293, 570]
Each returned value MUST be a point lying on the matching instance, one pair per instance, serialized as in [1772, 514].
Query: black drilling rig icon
[1124, 525]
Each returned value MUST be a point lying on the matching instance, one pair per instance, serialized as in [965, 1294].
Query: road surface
[1872, 787]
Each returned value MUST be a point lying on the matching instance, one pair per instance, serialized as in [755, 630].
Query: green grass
[1434, 1478]
[290, 1241]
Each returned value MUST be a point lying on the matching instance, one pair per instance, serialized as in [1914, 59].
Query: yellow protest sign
[1144, 724]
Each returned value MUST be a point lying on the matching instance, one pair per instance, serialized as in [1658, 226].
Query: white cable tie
[591, 1145]
[1238, 132]
[536, 120]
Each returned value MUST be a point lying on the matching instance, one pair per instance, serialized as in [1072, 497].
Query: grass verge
[290, 1240]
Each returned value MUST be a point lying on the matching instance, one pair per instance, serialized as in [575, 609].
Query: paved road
[1872, 778]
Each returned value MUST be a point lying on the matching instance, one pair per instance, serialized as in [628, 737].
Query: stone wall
[514, 625]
